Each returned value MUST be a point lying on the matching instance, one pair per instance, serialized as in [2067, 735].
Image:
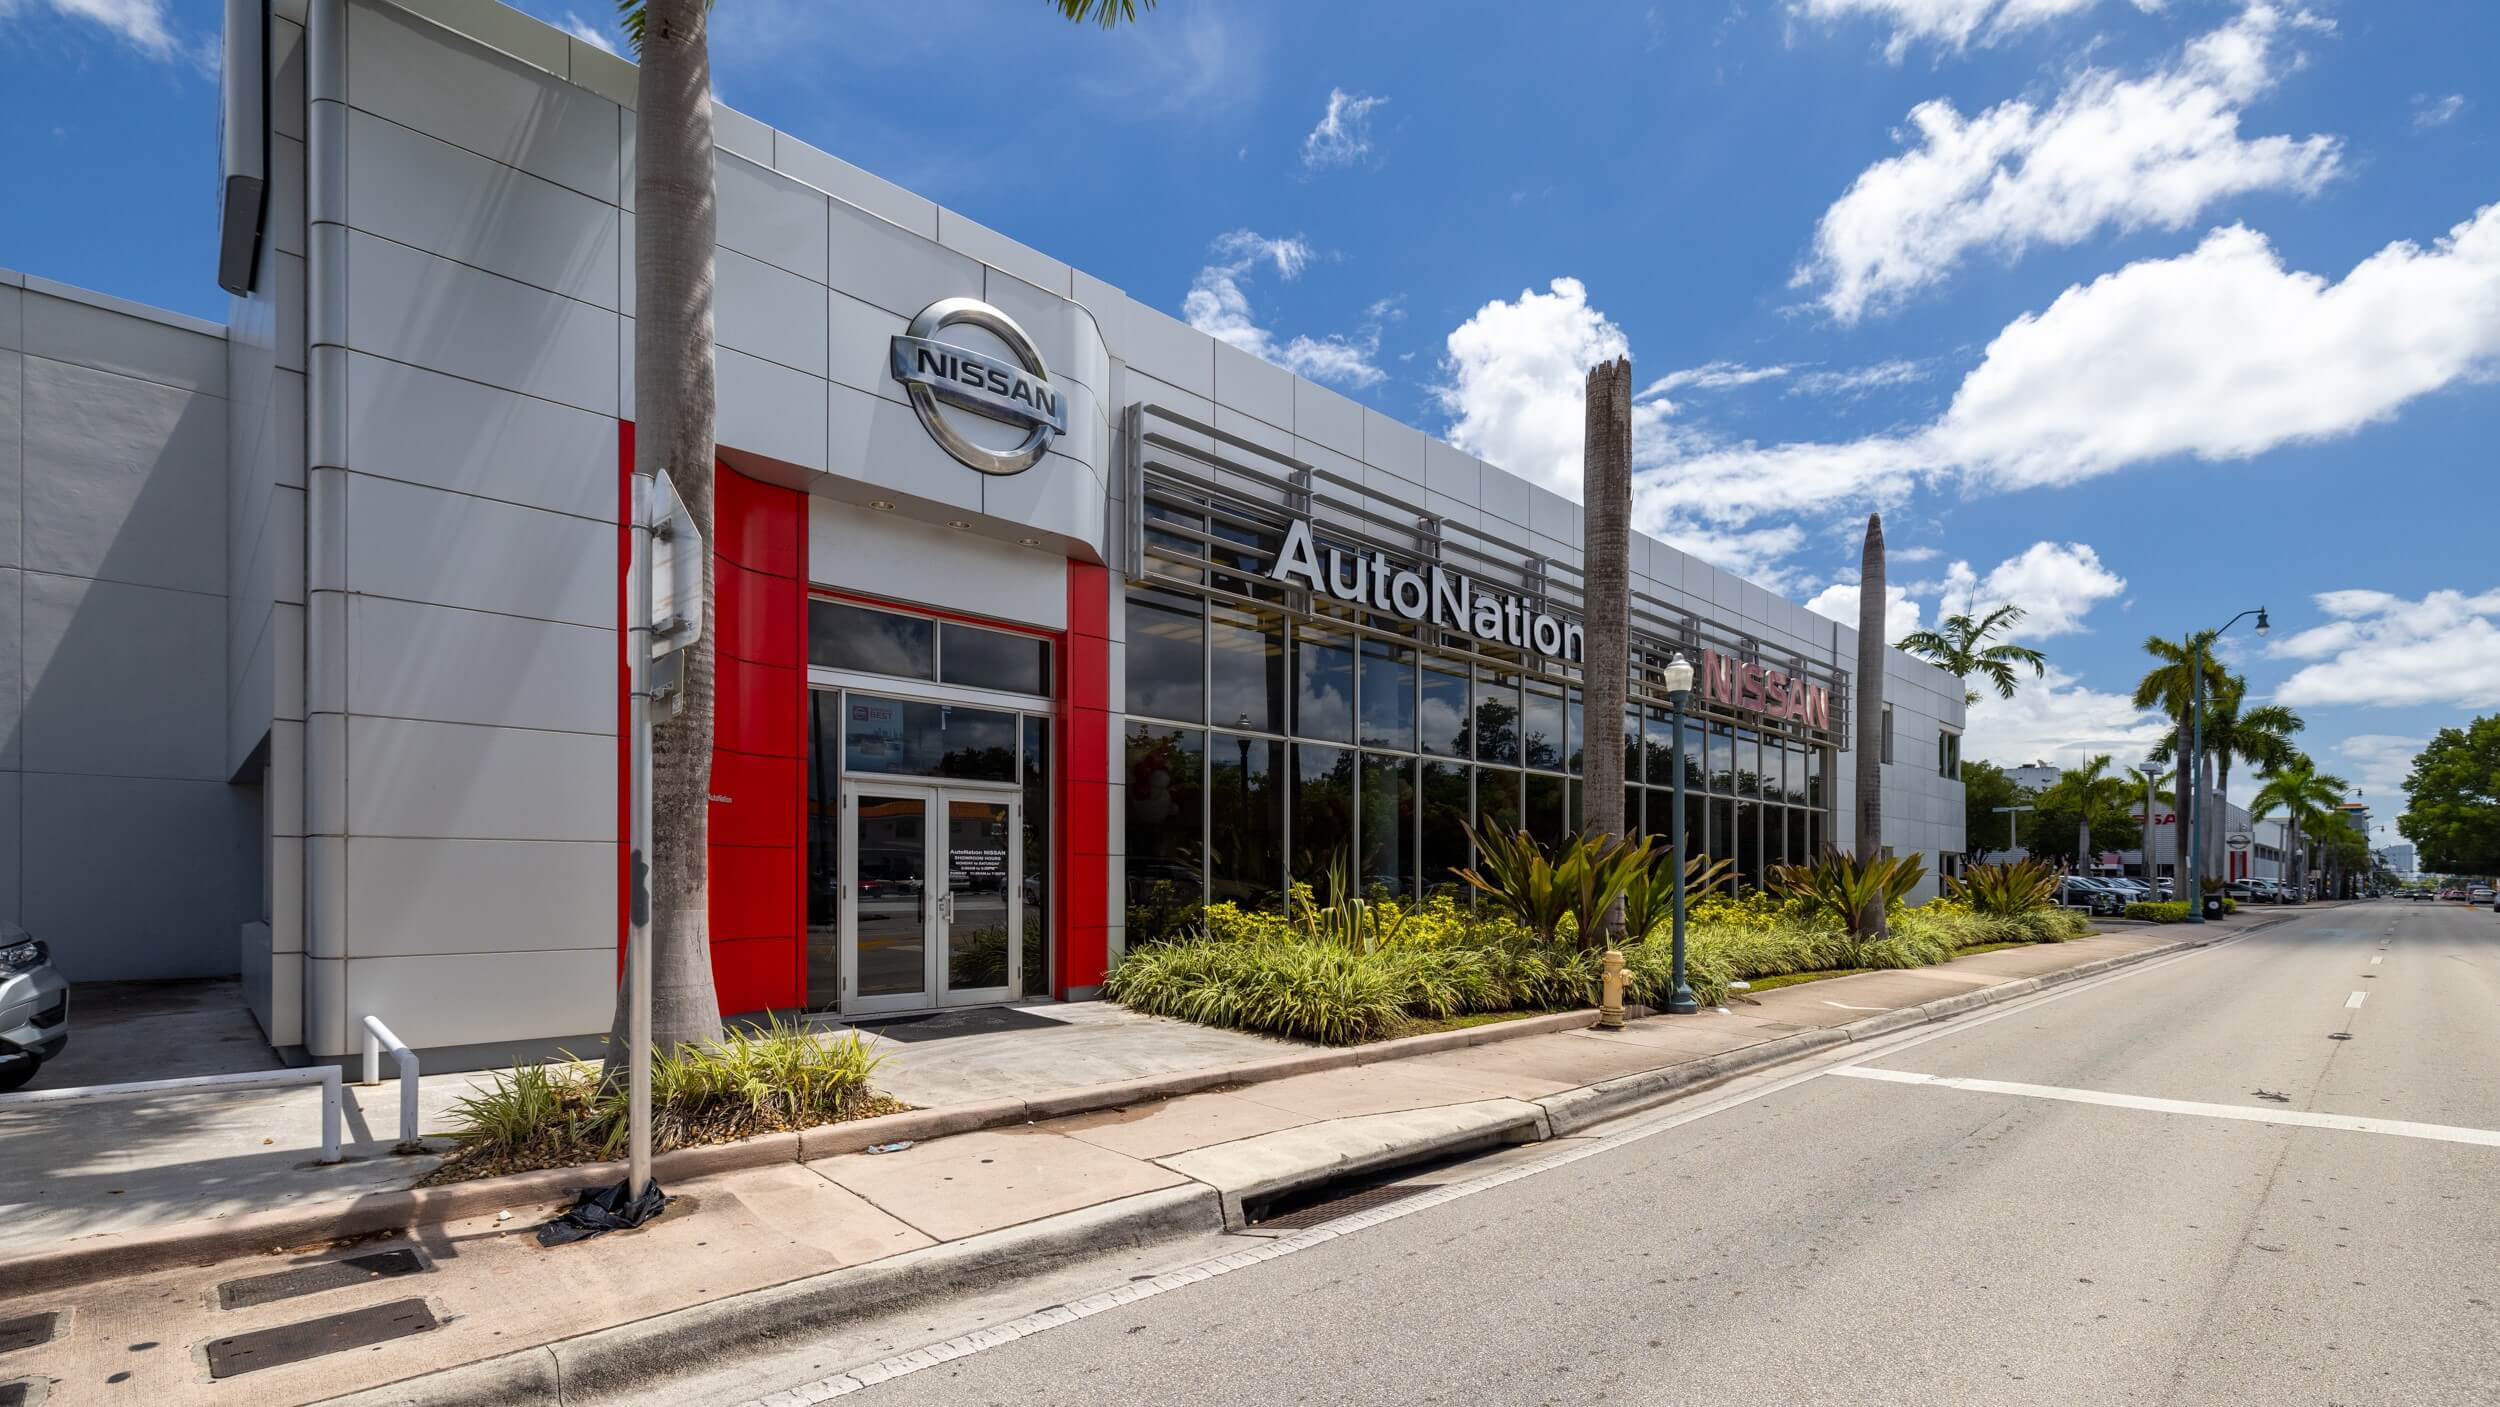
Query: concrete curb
[610, 1362]
[619, 1359]
[546, 1191]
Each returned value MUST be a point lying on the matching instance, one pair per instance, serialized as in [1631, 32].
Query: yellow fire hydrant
[1610, 993]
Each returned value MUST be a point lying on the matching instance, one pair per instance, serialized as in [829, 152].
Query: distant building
[2035, 776]
[2400, 858]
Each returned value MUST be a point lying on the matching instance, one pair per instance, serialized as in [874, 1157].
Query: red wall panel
[1082, 826]
[757, 616]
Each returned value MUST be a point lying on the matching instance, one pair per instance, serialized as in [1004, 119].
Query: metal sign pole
[638, 804]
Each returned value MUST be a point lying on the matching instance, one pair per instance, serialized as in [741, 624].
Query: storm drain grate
[29, 1331]
[1308, 1215]
[332, 1333]
[24, 1392]
[313, 1279]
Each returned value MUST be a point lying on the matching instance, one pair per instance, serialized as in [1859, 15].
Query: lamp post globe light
[2193, 882]
[1679, 681]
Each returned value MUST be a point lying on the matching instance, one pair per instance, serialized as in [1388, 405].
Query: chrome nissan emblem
[941, 375]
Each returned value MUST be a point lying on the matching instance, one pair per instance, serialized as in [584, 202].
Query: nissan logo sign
[945, 377]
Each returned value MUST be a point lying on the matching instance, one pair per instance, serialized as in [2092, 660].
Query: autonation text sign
[1437, 595]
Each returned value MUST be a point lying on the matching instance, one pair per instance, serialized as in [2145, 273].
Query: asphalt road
[1855, 1239]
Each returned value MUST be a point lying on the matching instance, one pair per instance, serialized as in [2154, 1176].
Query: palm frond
[1107, 13]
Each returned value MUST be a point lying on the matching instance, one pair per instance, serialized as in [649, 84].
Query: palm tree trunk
[1870, 707]
[676, 223]
[1606, 508]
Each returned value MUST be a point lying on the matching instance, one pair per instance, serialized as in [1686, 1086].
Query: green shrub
[2020, 887]
[1850, 891]
[2156, 913]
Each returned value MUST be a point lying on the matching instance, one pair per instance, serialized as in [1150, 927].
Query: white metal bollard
[378, 1038]
[326, 1076]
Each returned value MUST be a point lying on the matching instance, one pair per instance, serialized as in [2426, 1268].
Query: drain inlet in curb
[1301, 1214]
[257, 1290]
[28, 1331]
[312, 1338]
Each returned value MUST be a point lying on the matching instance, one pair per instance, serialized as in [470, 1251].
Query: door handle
[946, 906]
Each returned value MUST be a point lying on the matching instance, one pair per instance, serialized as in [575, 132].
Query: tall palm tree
[676, 224]
[1606, 503]
[2260, 736]
[1869, 702]
[2167, 686]
[2090, 785]
[1959, 646]
[2306, 797]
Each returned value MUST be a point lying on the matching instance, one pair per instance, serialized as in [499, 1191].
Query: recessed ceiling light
[881, 505]
[1029, 541]
[957, 523]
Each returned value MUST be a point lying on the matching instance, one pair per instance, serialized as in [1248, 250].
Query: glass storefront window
[1632, 745]
[1246, 815]
[1166, 656]
[1441, 723]
[1722, 759]
[1547, 819]
[1496, 724]
[1388, 694]
[843, 636]
[1165, 845]
[1446, 808]
[1749, 844]
[1497, 800]
[910, 738]
[1388, 801]
[992, 659]
[1323, 814]
[1657, 746]
[1800, 839]
[1720, 840]
[1541, 727]
[1323, 672]
[1632, 822]
[824, 848]
[1575, 725]
[1815, 763]
[1246, 669]
[1748, 764]
[1036, 821]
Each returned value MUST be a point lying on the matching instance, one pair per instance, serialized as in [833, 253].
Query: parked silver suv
[34, 1007]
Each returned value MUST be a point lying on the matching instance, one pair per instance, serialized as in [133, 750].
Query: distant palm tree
[2090, 785]
[1959, 646]
[2306, 797]
[2260, 736]
[2167, 687]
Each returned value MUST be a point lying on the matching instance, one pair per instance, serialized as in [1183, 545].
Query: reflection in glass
[983, 909]
[1441, 725]
[1632, 824]
[1323, 700]
[1388, 694]
[1246, 668]
[1721, 844]
[910, 738]
[1574, 727]
[1246, 808]
[843, 636]
[1632, 745]
[1164, 816]
[1497, 799]
[1748, 764]
[1166, 656]
[1749, 843]
[1657, 747]
[1388, 800]
[1446, 808]
[892, 903]
[1800, 837]
[1722, 750]
[1036, 818]
[824, 848]
[1547, 820]
[993, 659]
[1496, 725]
[1815, 762]
[1323, 814]
[1541, 726]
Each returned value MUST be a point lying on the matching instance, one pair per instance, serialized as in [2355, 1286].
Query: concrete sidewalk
[831, 1235]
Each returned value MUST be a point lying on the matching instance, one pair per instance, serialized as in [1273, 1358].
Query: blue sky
[2134, 312]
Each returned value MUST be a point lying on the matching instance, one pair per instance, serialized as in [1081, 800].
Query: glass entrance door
[932, 901]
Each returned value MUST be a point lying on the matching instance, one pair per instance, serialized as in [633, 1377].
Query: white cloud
[2378, 648]
[1516, 378]
[1857, 381]
[1839, 602]
[2109, 153]
[2378, 763]
[1218, 305]
[139, 23]
[2059, 721]
[2436, 112]
[1953, 24]
[2055, 583]
[586, 32]
[2221, 353]
[1711, 376]
[1344, 133]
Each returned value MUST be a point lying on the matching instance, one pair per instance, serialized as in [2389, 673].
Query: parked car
[34, 1007]
[2086, 893]
[2479, 893]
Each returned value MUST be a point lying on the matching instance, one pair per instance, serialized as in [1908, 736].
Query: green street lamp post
[1679, 681]
[2194, 879]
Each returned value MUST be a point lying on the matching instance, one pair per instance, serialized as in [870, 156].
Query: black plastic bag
[598, 1209]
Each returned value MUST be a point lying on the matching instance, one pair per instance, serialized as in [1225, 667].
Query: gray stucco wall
[122, 841]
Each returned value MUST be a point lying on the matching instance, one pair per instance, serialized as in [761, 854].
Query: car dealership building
[1042, 618]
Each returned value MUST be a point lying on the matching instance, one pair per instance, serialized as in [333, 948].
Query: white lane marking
[2401, 1128]
[2377, 960]
[1652, 1124]
[1847, 1007]
[2355, 1000]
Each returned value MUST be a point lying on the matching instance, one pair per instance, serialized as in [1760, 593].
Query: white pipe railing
[326, 1076]
[378, 1038]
